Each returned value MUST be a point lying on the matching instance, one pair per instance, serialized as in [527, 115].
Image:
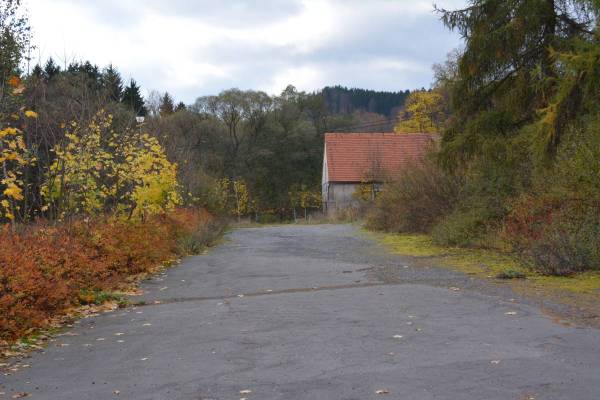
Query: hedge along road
[315, 312]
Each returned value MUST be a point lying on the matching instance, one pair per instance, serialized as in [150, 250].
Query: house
[352, 159]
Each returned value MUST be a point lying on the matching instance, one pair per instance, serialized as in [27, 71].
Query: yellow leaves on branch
[13, 191]
[97, 170]
[17, 86]
[423, 113]
[13, 158]
[231, 196]
[156, 189]
[31, 114]
[14, 81]
[242, 198]
[305, 198]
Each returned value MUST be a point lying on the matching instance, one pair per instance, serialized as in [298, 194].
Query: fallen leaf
[20, 395]
[382, 391]
[495, 362]
[19, 90]
[117, 392]
[510, 313]
[147, 324]
[144, 359]
[398, 336]
[14, 81]
[454, 288]
[100, 339]
[245, 391]
[119, 334]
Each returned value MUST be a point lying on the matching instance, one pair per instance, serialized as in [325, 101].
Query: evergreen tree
[180, 106]
[112, 83]
[51, 69]
[37, 71]
[91, 71]
[507, 74]
[133, 99]
[167, 105]
[341, 100]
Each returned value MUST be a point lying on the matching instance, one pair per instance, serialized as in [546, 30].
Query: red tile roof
[354, 157]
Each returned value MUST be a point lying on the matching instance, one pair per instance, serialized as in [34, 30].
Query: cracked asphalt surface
[314, 312]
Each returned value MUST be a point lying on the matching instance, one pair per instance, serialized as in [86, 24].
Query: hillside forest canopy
[242, 152]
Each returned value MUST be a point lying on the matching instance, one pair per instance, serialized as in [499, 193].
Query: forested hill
[342, 100]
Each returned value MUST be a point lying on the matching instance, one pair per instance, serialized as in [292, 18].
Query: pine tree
[167, 105]
[180, 106]
[507, 73]
[37, 71]
[133, 99]
[112, 83]
[91, 71]
[51, 69]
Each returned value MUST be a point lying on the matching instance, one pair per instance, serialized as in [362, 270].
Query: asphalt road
[315, 312]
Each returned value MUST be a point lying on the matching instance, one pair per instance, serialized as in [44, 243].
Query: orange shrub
[45, 269]
[558, 234]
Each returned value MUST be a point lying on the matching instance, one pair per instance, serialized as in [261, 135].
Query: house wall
[339, 196]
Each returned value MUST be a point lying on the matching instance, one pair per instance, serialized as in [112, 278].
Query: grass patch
[480, 262]
[97, 297]
[511, 274]
[412, 245]
[581, 290]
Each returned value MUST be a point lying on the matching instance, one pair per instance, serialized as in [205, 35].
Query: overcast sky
[199, 47]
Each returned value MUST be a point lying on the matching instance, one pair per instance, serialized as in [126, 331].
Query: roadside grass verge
[51, 272]
[581, 291]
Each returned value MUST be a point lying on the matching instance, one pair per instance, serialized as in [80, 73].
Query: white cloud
[202, 47]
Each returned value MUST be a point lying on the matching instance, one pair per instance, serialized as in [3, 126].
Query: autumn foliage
[48, 269]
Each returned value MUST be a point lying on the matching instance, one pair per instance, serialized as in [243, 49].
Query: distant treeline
[341, 100]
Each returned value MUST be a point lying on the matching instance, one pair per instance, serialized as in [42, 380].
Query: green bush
[560, 236]
[511, 274]
[557, 224]
[205, 236]
[418, 199]
[464, 228]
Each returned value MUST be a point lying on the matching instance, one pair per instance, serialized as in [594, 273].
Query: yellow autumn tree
[14, 155]
[305, 198]
[242, 198]
[365, 191]
[98, 170]
[219, 195]
[423, 113]
[13, 158]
